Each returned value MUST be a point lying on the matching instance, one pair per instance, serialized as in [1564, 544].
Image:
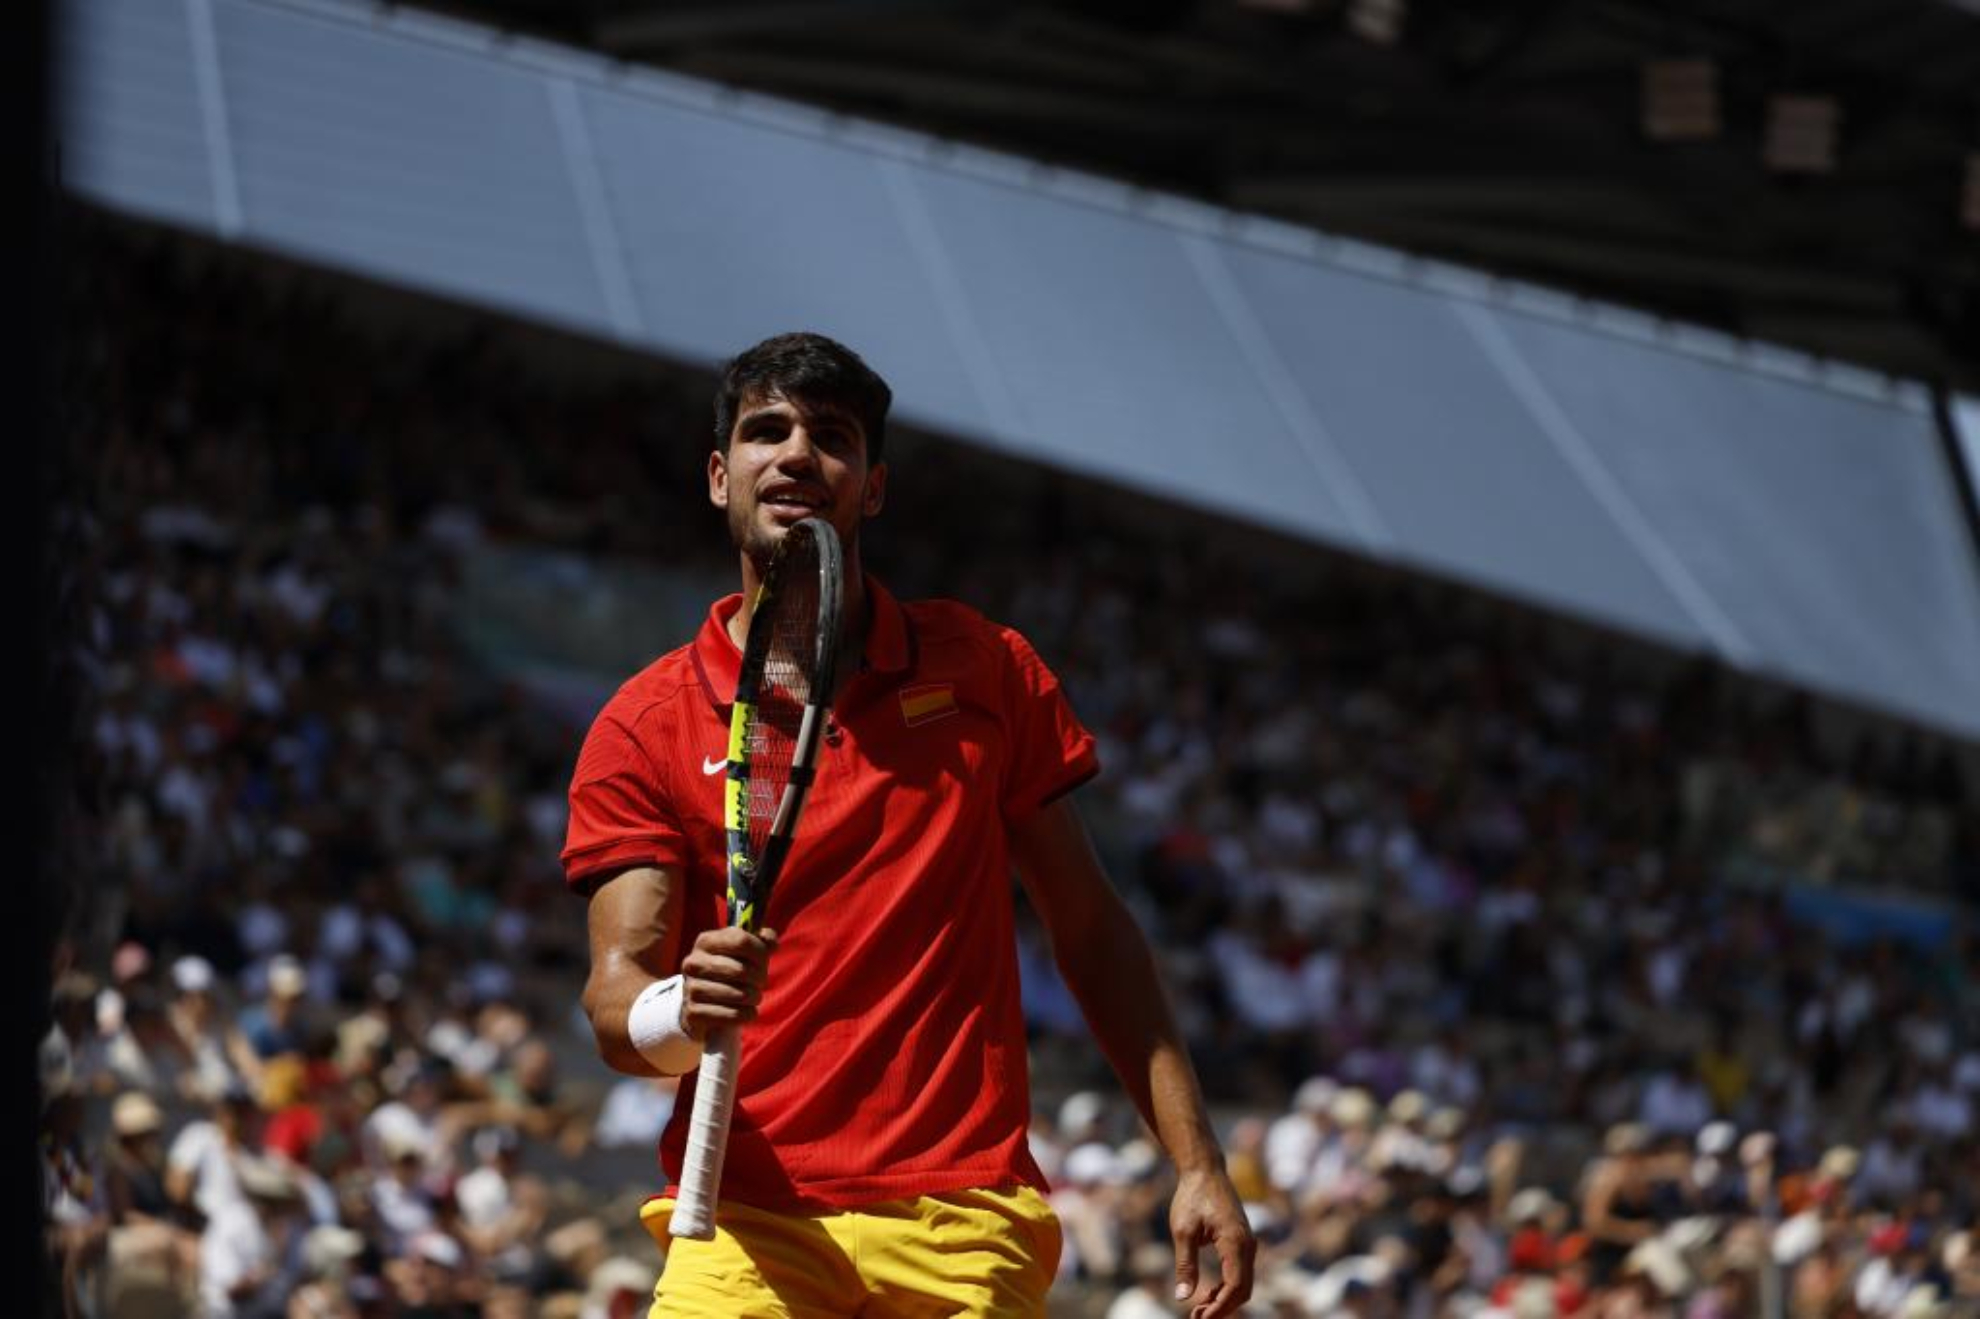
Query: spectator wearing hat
[330, 1254]
[134, 1166]
[434, 1278]
[273, 1027]
[1959, 1258]
[206, 1047]
[1342, 1170]
[152, 1259]
[1717, 1185]
[1086, 1199]
[1294, 1140]
[250, 1254]
[1400, 1143]
[404, 1198]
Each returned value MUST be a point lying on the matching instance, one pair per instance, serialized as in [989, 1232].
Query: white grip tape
[707, 1139]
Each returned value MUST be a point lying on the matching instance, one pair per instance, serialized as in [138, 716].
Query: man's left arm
[1108, 966]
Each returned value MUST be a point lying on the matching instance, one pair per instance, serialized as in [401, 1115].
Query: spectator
[250, 1252]
[502, 1209]
[205, 1049]
[203, 1163]
[152, 1260]
[404, 1198]
[273, 1027]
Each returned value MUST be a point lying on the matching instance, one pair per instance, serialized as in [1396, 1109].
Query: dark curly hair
[811, 368]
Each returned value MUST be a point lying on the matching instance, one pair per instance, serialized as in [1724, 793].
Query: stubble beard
[748, 536]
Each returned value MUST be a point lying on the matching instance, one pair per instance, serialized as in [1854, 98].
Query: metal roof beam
[687, 25]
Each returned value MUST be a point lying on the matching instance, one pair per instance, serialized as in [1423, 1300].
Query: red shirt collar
[889, 644]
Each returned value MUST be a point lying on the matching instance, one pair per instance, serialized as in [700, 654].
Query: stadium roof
[1794, 518]
[1505, 135]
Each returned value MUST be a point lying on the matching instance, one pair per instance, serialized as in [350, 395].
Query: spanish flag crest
[925, 703]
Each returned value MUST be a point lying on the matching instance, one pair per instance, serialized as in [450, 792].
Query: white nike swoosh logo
[711, 766]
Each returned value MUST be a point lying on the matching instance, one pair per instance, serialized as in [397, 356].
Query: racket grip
[707, 1138]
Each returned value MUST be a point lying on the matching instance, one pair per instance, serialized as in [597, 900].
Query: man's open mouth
[793, 499]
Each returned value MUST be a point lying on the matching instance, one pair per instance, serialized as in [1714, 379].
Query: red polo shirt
[889, 1056]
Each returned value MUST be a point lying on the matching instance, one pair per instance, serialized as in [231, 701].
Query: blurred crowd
[1476, 931]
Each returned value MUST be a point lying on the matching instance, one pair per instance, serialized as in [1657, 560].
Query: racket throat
[774, 850]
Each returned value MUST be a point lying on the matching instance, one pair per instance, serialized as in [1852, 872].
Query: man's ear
[875, 496]
[718, 479]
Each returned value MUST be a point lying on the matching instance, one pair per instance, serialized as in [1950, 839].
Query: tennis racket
[783, 697]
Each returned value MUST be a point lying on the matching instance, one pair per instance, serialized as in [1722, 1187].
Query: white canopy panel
[1796, 520]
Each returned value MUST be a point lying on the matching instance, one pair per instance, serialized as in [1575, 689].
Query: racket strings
[790, 663]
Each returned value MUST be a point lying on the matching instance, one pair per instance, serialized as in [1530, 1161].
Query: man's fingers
[741, 945]
[706, 994]
[703, 965]
[1224, 1299]
[1185, 1265]
[1235, 1253]
[743, 966]
[724, 974]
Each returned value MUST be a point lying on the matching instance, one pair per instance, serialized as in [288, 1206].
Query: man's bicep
[1060, 871]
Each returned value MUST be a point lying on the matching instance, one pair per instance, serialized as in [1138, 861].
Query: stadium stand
[1575, 986]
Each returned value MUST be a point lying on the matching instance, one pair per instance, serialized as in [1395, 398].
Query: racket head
[783, 695]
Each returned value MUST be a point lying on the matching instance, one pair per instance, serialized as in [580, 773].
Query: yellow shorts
[968, 1253]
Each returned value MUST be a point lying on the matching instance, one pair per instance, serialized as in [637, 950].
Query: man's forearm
[1111, 972]
[614, 984]
[632, 918]
[651, 1008]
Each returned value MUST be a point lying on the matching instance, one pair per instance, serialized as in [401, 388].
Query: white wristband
[654, 1024]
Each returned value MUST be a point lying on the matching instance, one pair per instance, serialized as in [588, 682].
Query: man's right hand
[722, 978]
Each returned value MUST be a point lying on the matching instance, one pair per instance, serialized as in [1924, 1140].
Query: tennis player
[878, 1163]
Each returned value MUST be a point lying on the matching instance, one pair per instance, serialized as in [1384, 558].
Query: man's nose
[797, 450]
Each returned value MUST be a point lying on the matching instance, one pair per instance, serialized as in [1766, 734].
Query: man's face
[789, 460]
